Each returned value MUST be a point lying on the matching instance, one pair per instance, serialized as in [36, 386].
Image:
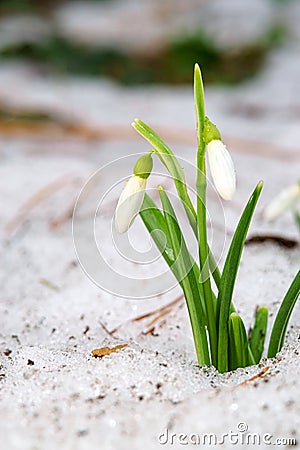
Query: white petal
[221, 169]
[285, 200]
[129, 203]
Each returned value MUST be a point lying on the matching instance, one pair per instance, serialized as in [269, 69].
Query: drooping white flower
[129, 203]
[221, 168]
[132, 196]
[286, 199]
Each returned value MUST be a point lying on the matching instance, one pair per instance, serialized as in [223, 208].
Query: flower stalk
[201, 213]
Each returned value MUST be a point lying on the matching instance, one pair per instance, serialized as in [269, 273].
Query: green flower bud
[211, 132]
[143, 166]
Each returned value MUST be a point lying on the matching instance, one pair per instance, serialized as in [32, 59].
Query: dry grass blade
[63, 218]
[159, 312]
[110, 333]
[55, 129]
[255, 377]
[35, 200]
[45, 125]
[151, 325]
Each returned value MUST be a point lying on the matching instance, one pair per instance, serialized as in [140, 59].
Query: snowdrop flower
[132, 196]
[220, 162]
[287, 199]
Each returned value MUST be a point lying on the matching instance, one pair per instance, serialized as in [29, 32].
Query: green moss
[185, 51]
[35, 6]
[171, 65]
[10, 115]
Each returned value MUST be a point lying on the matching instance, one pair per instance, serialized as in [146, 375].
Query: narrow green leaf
[258, 333]
[166, 156]
[229, 276]
[188, 281]
[283, 317]
[251, 360]
[157, 227]
[238, 344]
[297, 219]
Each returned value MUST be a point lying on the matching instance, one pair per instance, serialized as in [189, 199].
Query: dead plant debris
[279, 240]
[49, 284]
[105, 351]
[255, 377]
[157, 315]
[39, 197]
[42, 124]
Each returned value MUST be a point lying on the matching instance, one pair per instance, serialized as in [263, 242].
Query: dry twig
[159, 313]
[255, 377]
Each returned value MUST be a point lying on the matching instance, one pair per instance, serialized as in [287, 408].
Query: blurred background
[149, 41]
[57, 56]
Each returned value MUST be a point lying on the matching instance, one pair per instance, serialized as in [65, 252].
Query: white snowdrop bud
[132, 196]
[129, 203]
[287, 199]
[221, 168]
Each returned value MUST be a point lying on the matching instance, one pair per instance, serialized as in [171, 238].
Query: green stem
[201, 214]
[192, 216]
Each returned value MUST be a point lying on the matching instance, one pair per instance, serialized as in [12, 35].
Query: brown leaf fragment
[105, 351]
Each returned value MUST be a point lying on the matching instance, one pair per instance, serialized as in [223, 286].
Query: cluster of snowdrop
[221, 168]
[219, 333]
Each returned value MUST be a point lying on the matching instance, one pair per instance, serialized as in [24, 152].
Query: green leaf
[188, 281]
[258, 333]
[283, 317]
[297, 219]
[238, 344]
[229, 276]
[166, 156]
[157, 227]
